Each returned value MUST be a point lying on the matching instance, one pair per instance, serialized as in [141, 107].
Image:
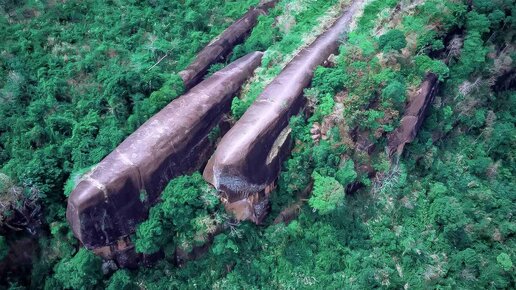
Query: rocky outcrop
[413, 116]
[222, 45]
[248, 159]
[115, 195]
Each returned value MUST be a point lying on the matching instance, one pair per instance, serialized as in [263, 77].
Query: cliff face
[222, 45]
[115, 196]
[248, 158]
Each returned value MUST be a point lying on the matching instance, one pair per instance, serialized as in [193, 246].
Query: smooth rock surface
[110, 200]
[248, 159]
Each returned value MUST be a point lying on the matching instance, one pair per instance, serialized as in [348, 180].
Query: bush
[393, 40]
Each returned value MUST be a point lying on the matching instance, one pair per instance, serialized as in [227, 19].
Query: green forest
[346, 211]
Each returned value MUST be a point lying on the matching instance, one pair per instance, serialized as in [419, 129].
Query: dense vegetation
[77, 77]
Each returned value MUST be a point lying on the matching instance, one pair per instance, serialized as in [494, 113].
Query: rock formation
[110, 200]
[222, 45]
[413, 116]
[248, 159]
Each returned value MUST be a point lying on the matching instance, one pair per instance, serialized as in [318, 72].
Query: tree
[448, 213]
[346, 173]
[395, 92]
[150, 235]
[505, 261]
[82, 271]
[222, 245]
[121, 280]
[424, 64]
[327, 195]
[393, 40]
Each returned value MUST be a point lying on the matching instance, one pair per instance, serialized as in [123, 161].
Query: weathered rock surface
[222, 45]
[115, 196]
[413, 116]
[248, 158]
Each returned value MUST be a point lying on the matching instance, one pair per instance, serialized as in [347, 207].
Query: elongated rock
[248, 158]
[115, 196]
[413, 116]
[222, 45]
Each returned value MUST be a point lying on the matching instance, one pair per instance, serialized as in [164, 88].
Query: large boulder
[248, 158]
[413, 116]
[111, 199]
[223, 44]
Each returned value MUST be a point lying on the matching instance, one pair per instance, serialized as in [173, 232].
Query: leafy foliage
[346, 174]
[80, 272]
[121, 280]
[184, 217]
[394, 39]
[327, 195]
[505, 261]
